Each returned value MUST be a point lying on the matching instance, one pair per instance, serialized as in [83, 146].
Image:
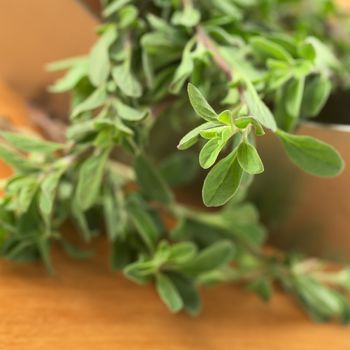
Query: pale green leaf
[270, 49]
[95, 100]
[48, 189]
[129, 113]
[249, 159]
[311, 155]
[211, 258]
[192, 137]
[200, 104]
[99, 62]
[258, 109]
[90, 178]
[126, 81]
[30, 144]
[222, 182]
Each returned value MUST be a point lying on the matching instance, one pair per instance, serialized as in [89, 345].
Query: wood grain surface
[84, 306]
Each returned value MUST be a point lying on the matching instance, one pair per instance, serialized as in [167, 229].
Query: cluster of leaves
[266, 76]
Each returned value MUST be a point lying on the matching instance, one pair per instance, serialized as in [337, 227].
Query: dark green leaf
[316, 95]
[121, 254]
[179, 168]
[150, 180]
[168, 293]
[188, 293]
[294, 97]
[144, 223]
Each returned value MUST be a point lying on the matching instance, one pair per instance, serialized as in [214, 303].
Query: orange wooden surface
[86, 307]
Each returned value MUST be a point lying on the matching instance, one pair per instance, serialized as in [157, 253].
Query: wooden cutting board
[84, 306]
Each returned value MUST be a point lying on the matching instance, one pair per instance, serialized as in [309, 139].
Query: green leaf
[192, 137]
[316, 94]
[47, 193]
[139, 271]
[258, 109]
[222, 182]
[168, 293]
[243, 122]
[182, 252]
[121, 255]
[43, 245]
[311, 155]
[321, 302]
[144, 223]
[74, 251]
[129, 113]
[114, 7]
[26, 194]
[190, 17]
[242, 221]
[184, 70]
[95, 100]
[126, 82]
[66, 64]
[179, 168]
[262, 287]
[270, 49]
[294, 96]
[99, 63]
[325, 58]
[188, 293]
[211, 258]
[210, 152]
[29, 144]
[249, 159]
[150, 180]
[115, 213]
[200, 104]
[71, 79]
[127, 16]
[225, 117]
[90, 179]
[14, 160]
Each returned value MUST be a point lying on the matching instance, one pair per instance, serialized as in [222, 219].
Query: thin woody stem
[217, 57]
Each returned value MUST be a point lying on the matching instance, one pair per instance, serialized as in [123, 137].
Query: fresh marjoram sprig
[249, 67]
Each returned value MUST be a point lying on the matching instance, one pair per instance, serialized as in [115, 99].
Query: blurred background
[33, 33]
